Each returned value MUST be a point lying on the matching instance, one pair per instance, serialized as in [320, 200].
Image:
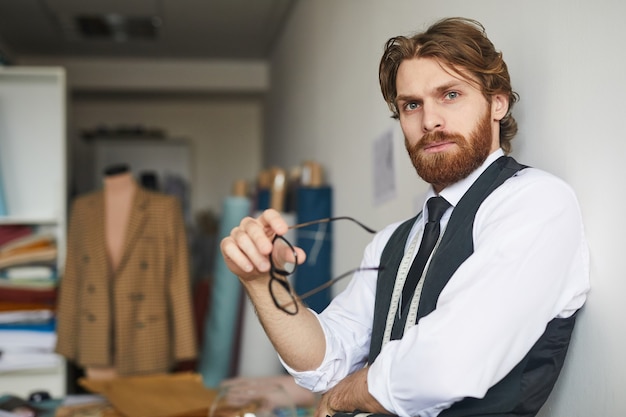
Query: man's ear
[499, 106]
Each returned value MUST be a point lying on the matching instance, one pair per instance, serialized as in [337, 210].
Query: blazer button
[91, 317]
[139, 325]
[143, 265]
[91, 288]
[86, 258]
[136, 296]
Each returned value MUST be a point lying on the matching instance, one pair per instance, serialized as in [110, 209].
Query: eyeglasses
[284, 261]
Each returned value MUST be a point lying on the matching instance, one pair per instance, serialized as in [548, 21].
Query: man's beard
[445, 168]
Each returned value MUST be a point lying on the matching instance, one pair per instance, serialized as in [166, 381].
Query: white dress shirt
[530, 265]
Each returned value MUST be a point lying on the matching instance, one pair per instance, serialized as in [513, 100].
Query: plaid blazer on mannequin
[138, 318]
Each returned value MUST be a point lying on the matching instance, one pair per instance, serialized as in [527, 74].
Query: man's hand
[349, 395]
[246, 250]
[298, 339]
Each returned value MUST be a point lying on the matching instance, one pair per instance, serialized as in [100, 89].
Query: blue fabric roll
[316, 240]
[3, 205]
[218, 346]
[263, 199]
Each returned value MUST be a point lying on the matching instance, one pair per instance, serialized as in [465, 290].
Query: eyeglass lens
[284, 258]
[284, 261]
[282, 295]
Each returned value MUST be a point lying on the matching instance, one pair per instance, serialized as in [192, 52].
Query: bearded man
[477, 326]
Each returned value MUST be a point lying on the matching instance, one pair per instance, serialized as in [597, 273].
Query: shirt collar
[453, 193]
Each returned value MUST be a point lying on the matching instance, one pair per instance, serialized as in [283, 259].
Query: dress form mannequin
[119, 191]
[125, 307]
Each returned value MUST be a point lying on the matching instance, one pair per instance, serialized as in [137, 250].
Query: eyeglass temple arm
[333, 281]
[330, 219]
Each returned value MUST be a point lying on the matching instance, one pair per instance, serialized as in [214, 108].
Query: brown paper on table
[86, 410]
[159, 395]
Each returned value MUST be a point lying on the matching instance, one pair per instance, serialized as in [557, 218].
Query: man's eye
[452, 95]
[411, 106]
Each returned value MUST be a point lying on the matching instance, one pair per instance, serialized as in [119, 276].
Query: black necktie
[436, 207]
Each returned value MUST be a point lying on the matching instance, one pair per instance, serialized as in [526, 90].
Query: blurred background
[206, 94]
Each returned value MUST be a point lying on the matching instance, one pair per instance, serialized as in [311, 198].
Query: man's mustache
[434, 138]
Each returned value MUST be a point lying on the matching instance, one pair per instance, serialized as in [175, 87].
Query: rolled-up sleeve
[347, 323]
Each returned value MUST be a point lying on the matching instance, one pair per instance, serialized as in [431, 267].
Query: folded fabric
[30, 241]
[26, 316]
[10, 232]
[17, 306]
[29, 272]
[45, 295]
[33, 256]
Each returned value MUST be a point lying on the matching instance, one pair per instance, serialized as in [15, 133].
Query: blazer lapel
[136, 222]
[97, 235]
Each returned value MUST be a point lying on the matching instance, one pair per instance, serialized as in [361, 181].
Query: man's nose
[432, 119]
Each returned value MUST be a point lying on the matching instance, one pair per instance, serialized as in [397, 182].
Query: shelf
[28, 220]
[24, 382]
[33, 154]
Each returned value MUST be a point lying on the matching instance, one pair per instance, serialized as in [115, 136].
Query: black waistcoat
[525, 389]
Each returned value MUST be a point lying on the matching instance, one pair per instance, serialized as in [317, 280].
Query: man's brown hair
[462, 45]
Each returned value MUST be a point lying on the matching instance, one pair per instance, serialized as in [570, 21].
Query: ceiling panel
[206, 29]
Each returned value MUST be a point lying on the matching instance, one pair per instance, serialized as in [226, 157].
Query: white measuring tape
[396, 296]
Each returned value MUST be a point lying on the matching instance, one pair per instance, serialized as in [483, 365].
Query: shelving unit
[33, 160]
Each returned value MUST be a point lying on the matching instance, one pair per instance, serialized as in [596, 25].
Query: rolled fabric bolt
[221, 319]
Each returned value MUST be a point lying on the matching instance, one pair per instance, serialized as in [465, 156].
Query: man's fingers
[249, 245]
[273, 222]
[246, 251]
[253, 231]
[234, 257]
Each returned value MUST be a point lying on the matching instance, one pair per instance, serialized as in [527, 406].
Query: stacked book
[28, 292]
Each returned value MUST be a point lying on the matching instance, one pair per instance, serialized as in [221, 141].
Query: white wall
[567, 61]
